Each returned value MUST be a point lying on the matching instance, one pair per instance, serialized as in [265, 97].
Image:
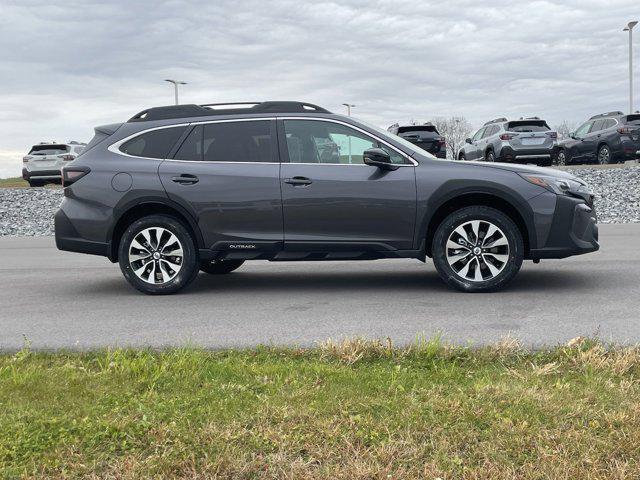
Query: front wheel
[604, 155]
[477, 249]
[490, 156]
[461, 157]
[157, 255]
[220, 267]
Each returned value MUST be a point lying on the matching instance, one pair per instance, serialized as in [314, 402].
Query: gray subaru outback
[181, 189]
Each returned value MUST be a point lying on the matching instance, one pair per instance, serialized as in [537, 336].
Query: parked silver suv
[528, 140]
[45, 160]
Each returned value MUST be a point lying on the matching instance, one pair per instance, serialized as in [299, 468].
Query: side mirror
[467, 140]
[377, 157]
[572, 135]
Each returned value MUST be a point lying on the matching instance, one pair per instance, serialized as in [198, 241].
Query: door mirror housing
[377, 157]
[467, 140]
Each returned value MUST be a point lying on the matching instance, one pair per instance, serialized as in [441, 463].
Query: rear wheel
[220, 267]
[604, 155]
[157, 255]
[477, 249]
[490, 156]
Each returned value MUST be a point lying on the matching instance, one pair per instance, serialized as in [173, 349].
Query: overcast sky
[66, 67]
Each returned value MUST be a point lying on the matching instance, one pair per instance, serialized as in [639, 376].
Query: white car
[43, 162]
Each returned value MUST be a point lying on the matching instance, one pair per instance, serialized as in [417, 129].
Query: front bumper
[574, 230]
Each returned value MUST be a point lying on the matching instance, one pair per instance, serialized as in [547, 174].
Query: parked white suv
[43, 162]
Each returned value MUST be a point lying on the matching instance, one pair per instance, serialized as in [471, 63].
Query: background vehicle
[605, 138]
[424, 136]
[528, 140]
[43, 162]
[201, 187]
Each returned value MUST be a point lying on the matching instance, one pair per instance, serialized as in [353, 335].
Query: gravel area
[29, 211]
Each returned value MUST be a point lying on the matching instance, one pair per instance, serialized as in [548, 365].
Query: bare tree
[564, 128]
[455, 131]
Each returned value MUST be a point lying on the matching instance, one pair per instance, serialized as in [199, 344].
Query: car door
[332, 200]
[580, 151]
[227, 174]
[590, 141]
[474, 147]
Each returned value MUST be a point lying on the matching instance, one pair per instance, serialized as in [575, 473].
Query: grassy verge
[343, 410]
[13, 182]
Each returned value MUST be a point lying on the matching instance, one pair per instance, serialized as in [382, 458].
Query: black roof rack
[501, 119]
[608, 114]
[209, 109]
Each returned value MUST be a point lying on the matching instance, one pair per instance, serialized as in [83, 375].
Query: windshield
[405, 143]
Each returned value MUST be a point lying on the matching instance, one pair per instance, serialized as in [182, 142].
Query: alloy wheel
[603, 156]
[477, 251]
[156, 255]
[561, 159]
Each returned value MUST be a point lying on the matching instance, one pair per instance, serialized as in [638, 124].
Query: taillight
[441, 141]
[25, 159]
[71, 175]
[553, 134]
[625, 130]
[66, 157]
[507, 136]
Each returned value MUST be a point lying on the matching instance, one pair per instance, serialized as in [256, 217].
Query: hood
[531, 169]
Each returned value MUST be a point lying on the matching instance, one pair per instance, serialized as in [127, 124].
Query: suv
[43, 162]
[425, 136]
[527, 140]
[179, 189]
[606, 138]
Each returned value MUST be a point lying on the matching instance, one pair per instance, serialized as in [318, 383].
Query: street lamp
[629, 28]
[175, 85]
[349, 107]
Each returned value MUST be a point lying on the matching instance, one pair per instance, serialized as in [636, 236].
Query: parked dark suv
[185, 188]
[606, 138]
[425, 136]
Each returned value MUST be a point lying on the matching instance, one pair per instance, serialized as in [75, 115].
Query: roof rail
[501, 119]
[529, 118]
[209, 109]
[607, 114]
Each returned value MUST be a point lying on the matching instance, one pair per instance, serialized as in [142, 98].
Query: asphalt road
[64, 300]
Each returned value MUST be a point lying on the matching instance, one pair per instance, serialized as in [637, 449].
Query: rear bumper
[574, 230]
[41, 174]
[539, 156]
[68, 238]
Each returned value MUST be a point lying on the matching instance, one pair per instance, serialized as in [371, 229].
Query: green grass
[345, 410]
[13, 182]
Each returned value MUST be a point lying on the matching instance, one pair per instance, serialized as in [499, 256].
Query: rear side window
[608, 123]
[48, 149]
[191, 148]
[250, 141]
[153, 144]
[597, 125]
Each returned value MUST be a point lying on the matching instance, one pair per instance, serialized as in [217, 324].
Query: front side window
[153, 144]
[583, 130]
[478, 134]
[313, 141]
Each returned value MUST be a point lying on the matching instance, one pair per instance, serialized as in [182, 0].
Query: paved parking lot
[58, 299]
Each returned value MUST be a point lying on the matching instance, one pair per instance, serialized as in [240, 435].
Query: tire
[562, 158]
[461, 157]
[220, 267]
[161, 237]
[604, 155]
[501, 262]
[490, 156]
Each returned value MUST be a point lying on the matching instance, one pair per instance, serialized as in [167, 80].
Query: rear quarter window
[153, 144]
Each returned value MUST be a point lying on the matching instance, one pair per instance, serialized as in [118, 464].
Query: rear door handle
[298, 181]
[185, 179]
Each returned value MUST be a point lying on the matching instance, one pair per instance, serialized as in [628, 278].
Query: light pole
[175, 86]
[629, 28]
[349, 106]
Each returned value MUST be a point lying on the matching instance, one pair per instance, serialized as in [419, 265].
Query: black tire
[188, 264]
[490, 156]
[513, 252]
[604, 155]
[220, 267]
[562, 158]
[461, 157]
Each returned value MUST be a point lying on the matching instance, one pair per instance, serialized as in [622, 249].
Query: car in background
[605, 138]
[45, 160]
[527, 140]
[425, 136]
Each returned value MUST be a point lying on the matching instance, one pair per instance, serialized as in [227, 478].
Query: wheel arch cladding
[469, 199]
[151, 207]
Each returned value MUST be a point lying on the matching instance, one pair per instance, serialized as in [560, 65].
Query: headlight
[560, 186]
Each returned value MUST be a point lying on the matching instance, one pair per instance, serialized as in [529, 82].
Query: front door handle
[185, 179]
[298, 181]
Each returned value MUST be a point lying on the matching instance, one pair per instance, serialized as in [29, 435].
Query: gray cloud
[68, 67]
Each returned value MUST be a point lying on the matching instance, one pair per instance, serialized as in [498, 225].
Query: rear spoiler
[108, 129]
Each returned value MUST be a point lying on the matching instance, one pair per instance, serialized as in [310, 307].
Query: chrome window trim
[115, 147]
